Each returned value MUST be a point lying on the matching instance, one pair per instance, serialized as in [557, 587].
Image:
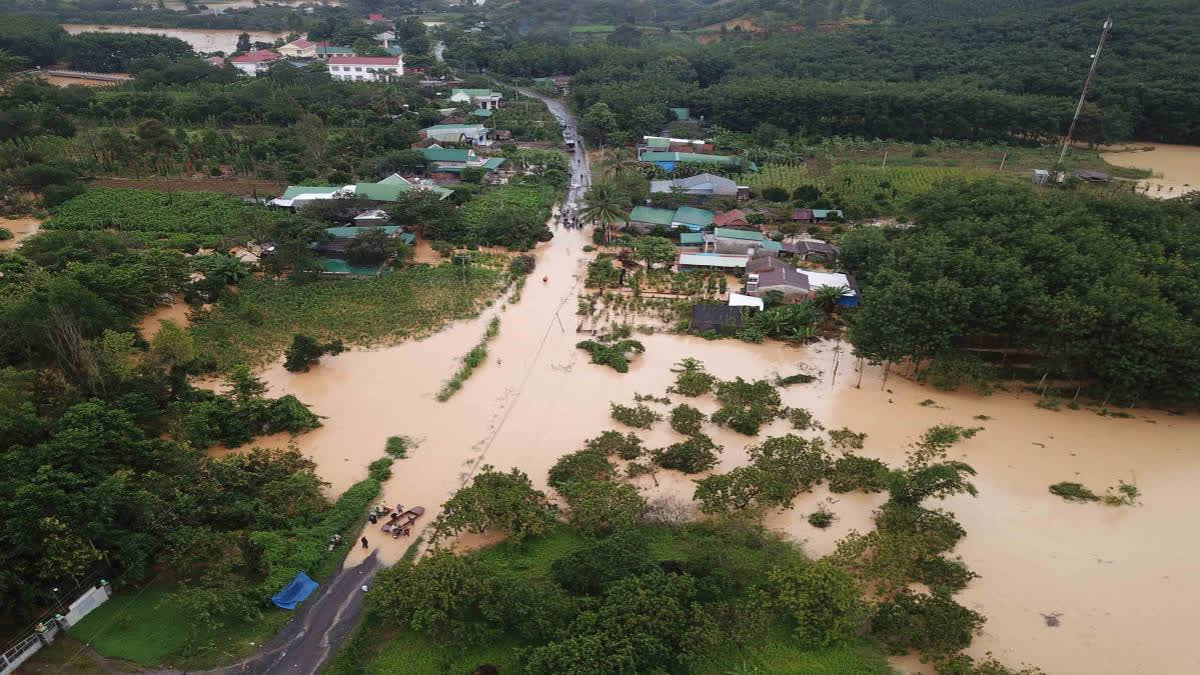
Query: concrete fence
[45, 631]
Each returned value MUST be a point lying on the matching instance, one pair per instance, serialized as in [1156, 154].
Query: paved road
[581, 174]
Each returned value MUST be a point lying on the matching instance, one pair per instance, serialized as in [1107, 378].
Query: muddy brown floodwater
[1122, 579]
[201, 39]
[21, 228]
[1176, 167]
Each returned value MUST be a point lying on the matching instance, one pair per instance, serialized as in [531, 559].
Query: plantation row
[150, 211]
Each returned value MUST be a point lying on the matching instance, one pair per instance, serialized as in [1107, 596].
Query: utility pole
[1083, 95]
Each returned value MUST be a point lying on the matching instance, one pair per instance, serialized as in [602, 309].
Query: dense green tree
[822, 600]
[496, 500]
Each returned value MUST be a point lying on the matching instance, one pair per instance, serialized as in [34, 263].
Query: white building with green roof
[387, 190]
[482, 98]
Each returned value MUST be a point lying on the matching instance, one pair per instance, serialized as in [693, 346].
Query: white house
[366, 68]
[482, 98]
[299, 49]
[255, 62]
[475, 134]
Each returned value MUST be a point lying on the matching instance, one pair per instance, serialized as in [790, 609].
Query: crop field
[258, 325]
[149, 211]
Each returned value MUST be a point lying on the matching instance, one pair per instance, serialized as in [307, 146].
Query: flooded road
[201, 39]
[1176, 168]
[1120, 579]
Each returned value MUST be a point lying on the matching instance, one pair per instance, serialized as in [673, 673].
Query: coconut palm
[828, 296]
[617, 162]
[604, 204]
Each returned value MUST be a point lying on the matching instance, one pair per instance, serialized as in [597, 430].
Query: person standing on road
[364, 542]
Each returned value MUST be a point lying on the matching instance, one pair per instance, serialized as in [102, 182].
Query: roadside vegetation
[470, 362]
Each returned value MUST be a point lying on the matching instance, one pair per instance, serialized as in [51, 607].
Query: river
[201, 39]
[1121, 580]
[1176, 168]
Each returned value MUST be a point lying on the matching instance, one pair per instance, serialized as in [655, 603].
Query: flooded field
[201, 39]
[1119, 578]
[176, 311]
[21, 228]
[1176, 167]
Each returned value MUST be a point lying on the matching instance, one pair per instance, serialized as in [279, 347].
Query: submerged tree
[305, 352]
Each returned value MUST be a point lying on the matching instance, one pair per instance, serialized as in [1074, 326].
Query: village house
[475, 134]
[366, 68]
[255, 62]
[701, 262]
[667, 161]
[482, 98]
[735, 218]
[387, 190]
[796, 283]
[691, 218]
[701, 185]
[722, 319]
[644, 219]
[745, 242]
[811, 216]
[301, 49]
[454, 160]
[810, 249]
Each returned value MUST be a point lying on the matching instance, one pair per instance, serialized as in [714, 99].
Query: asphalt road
[581, 174]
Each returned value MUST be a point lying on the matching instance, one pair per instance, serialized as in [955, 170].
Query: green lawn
[145, 627]
[407, 303]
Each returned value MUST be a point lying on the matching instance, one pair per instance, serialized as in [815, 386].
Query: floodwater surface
[21, 228]
[201, 39]
[1120, 580]
[177, 311]
[1176, 168]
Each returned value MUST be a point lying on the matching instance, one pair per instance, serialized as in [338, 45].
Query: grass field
[380, 651]
[407, 303]
[145, 627]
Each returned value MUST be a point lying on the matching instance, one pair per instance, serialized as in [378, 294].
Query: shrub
[687, 420]
[694, 455]
[5, 233]
[799, 378]
[775, 194]
[822, 600]
[851, 472]
[497, 500]
[934, 625]
[581, 465]
[304, 352]
[746, 405]
[821, 518]
[844, 438]
[613, 354]
[397, 446]
[608, 443]
[1125, 494]
[638, 417]
[591, 569]
[690, 378]
[380, 469]
[802, 419]
[522, 264]
[1074, 492]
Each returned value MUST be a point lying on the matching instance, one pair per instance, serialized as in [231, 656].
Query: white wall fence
[48, 629]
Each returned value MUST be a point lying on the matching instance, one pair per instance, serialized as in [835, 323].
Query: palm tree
[827, 297]
[617, 162]
[604, 204]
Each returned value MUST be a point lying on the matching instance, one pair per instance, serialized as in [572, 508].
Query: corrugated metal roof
[447, 154]
[646, 214]
[691, 239]
[712, 260]
[744, 235]
[352, 232]
[693, 216]
[294, 191]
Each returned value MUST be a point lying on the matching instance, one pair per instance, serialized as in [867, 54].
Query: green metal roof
[394, 179]
[482, 112]
[294, 191]
[352, 232]
[824, 213]
[455, 127]
[744, 235]
[478, 93]
[447, 154]
[335, 266]
[408, 238]
[693, 216]
[712, 260]
[335, 51]
[658, 142]
[769, 245]
[655, 156]
[646, 214]
[494, 163]
[691, 239]
[681, 114]
[380, 192]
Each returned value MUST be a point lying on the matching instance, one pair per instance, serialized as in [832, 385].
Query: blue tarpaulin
[295, 592]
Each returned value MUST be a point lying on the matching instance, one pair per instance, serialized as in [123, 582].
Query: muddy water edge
[1116, 577]
[201, 39]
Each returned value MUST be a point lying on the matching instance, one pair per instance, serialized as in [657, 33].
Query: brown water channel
[1120, 579]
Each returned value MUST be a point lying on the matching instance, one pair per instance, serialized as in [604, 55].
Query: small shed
[739, 300]
[720, 318]
[1092, 176]
[712, 261]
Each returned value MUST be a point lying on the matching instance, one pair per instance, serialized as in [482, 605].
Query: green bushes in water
[687, 420]
[581, 465]
[304, 352]
[691, 379]
[627, 446]
[615, 354]
[1123, 494]
[471, 361]
[638, 417]
[397, 446]
[380, 469]
[696, 454]
[5, 234]
[851, 472]
[746, 406]
[1074, 492]
[845, 438]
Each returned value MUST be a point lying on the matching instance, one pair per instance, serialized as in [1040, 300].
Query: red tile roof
[300, 43]
[734, 217]
[364, 60]
[375, 16]
[256, 56]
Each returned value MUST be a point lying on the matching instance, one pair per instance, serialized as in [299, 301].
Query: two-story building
[366, 68]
